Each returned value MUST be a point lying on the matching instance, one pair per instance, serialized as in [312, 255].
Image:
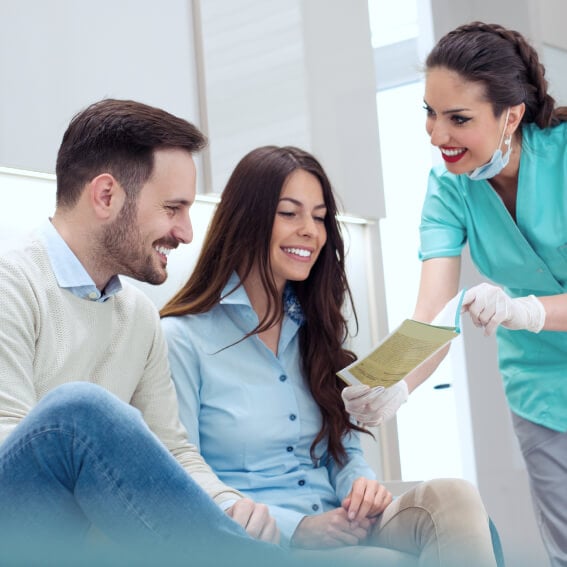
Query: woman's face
[460, 121]
[299, 232]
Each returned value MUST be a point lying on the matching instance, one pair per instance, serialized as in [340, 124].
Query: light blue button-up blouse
[251, 412]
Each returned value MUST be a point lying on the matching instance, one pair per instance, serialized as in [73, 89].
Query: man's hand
[367, 499]
[255, 519]
[330, 529]
[489, 307]
[373, 406]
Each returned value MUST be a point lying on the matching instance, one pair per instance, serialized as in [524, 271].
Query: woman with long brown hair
[256, 337]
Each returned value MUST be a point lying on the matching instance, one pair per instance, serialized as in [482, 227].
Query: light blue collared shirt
[69, 271]
[251, 412]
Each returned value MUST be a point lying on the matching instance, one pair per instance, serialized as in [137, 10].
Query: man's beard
[122, 245]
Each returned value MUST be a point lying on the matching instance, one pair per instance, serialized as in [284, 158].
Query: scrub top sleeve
[442, 230]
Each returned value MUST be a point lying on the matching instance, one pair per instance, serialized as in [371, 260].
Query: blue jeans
[84, 458]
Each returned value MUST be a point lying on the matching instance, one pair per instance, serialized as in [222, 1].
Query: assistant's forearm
[425, 370]
[555, 312]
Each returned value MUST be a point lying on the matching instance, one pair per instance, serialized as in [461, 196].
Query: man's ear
[106, 196]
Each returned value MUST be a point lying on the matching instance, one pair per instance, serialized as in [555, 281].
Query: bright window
[392, 22]
[432, 441]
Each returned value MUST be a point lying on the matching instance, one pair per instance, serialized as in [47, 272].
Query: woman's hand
[255, 519]
[367, 499]
[330, 529]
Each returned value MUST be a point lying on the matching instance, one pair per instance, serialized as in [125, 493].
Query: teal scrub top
[525, 257]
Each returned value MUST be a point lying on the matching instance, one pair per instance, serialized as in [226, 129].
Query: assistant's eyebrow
[300, 204]
[450, 111]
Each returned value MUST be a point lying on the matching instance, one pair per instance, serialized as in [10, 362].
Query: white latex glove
[373, 406]
[489, 307]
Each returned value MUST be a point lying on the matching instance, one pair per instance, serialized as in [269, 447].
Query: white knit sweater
[48, 337]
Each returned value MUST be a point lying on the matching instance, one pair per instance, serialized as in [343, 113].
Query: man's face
[137, 243]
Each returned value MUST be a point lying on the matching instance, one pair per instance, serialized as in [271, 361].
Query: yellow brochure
[403, 350]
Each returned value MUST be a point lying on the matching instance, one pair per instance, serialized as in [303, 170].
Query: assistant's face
[147, 229]
[460, 122]
[299, 232]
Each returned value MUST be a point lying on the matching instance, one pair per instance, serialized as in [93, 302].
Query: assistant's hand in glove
[373, 406]
[489, 307]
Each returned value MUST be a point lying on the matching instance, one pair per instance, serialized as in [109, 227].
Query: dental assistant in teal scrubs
[502, 189]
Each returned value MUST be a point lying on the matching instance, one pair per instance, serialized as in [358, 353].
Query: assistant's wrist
[534, 311]
[539, 315]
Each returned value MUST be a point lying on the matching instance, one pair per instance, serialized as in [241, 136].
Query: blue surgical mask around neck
[497, 162]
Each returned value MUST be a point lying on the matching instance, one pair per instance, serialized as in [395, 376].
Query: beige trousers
[439, 523]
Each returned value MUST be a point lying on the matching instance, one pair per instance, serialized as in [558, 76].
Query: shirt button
[289, 449]
[93, 295]
[315, 507]
[301, 482]
[283, 378]
[292, 417]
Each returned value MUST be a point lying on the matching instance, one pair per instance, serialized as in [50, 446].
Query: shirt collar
[292, 307]
[238, 296]
[69, 271]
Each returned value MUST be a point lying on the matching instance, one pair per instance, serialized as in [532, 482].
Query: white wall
[300, 73]
[522, 15]
[58, 56]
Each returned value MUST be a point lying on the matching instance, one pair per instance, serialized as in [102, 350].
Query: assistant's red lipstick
[452, 155]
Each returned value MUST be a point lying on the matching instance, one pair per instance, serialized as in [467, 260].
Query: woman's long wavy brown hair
[239, 238]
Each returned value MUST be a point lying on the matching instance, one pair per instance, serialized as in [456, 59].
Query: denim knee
[78, 406]
[77, 392]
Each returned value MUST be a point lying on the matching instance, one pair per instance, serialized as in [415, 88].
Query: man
[89, 433]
